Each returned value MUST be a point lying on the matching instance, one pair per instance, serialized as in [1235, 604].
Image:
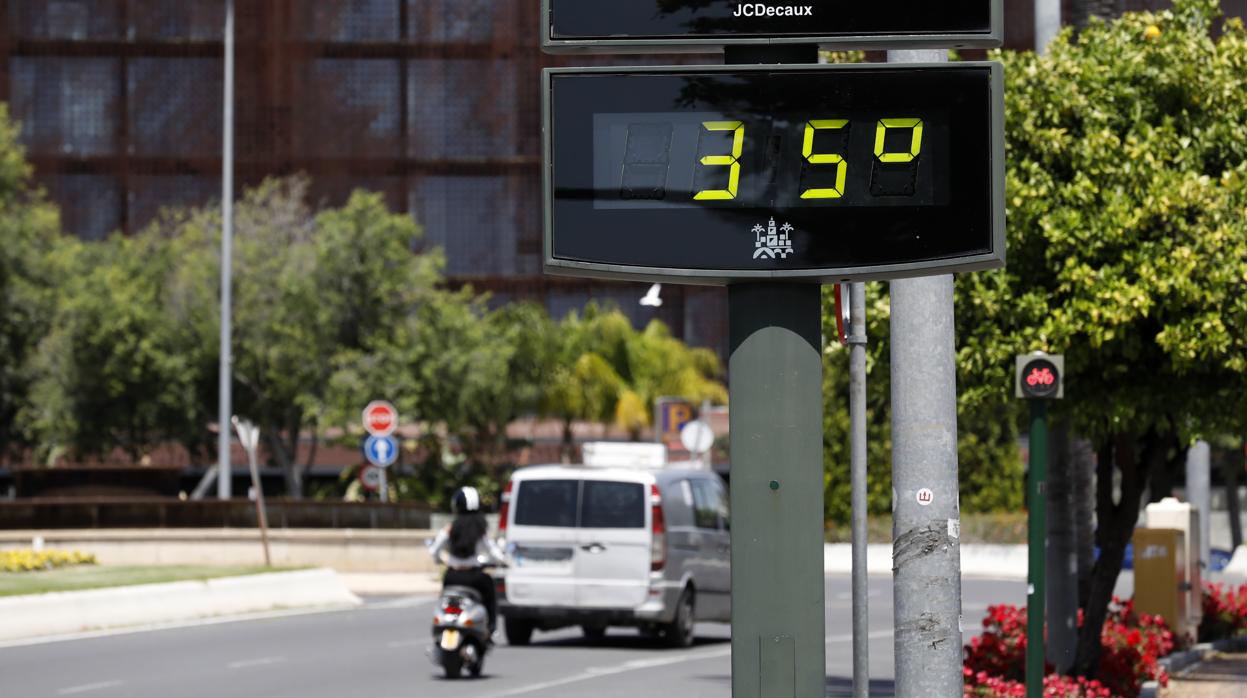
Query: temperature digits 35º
[906, 150]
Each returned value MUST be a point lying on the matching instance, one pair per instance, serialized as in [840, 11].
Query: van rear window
[571, 503]
[612, 505]
[546, 503]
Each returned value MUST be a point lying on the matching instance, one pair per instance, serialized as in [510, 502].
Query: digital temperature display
[831, 172]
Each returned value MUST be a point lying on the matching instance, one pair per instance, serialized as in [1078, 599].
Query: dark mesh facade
[435, 103]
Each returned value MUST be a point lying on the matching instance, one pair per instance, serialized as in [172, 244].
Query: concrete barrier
[345, 550]
[149, 604]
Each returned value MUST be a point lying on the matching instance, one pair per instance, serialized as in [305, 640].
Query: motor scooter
[460, 632]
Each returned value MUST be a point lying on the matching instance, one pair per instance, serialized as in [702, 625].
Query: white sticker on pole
[925, 496]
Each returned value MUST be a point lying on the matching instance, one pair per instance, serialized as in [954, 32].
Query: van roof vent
[624, 454]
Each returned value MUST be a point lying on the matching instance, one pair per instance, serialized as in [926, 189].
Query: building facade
[434, 103]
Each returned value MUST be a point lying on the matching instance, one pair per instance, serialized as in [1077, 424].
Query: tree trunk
[1082, 470]
[566, 449]
[1062, 589]
[1116, 527]
[292, 475]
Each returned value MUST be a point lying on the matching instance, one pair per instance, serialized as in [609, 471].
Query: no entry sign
[380, 418]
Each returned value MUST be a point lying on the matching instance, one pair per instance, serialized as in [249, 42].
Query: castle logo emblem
[771, 242]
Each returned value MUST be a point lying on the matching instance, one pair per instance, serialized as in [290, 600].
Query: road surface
[378, 651]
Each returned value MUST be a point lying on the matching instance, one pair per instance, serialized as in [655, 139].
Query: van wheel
[679, 632]
[519, 632]
[594, 633]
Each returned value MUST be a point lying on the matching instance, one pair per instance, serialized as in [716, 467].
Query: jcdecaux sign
[704, 25]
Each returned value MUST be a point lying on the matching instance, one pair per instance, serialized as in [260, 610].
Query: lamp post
[227, 251]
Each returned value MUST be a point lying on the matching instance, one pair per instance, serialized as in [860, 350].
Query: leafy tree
[604, 371]
[312, 291]
[127, 357]
[989, 464]
[1127, 195]
[29, 227]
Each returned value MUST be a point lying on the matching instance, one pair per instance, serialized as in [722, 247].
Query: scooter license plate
[450, 640]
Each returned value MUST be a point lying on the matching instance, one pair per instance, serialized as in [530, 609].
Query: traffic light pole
[1037, 523]
[926, 518]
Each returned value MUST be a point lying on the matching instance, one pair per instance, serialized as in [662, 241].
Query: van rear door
[544, 535]
[612, 559]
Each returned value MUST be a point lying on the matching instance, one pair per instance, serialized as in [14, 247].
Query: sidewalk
[1222, 676]
[391, 583]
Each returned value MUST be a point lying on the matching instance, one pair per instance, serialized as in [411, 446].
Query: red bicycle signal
[1039, 378]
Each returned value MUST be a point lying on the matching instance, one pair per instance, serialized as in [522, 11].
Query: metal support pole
[857, 466]
[1199, 493]
[1047, 23]
[926, 518]
[1037, 525]
[1062, 556]
[224, 408]
[777, 491]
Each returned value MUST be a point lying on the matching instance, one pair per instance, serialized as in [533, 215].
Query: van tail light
[505, 509]
[658, 527]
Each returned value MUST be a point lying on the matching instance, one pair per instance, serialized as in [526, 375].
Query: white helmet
[466, 500]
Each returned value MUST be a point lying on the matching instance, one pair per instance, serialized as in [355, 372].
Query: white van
[615, 546]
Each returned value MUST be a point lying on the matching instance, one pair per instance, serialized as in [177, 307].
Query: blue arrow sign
[381, 451]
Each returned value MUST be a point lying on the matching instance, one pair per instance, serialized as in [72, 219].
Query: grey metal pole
[1047, 23]
[857, 465]
[227, 251]
[1199, 493]
[777, 491]
[926, 518]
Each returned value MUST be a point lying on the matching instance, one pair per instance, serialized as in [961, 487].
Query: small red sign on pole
[380, 418]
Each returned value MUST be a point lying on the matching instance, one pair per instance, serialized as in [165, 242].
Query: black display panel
[828, 172]
[617, 22]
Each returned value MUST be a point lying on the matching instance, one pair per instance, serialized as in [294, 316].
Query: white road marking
[261, 661]
[86, 688]
[591, 673]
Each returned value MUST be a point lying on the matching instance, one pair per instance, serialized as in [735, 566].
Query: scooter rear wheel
[452, 664]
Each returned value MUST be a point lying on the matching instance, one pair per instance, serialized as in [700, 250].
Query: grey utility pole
[1047, 23]
[1199, 493]
[857, 478]
[926, 514]
[227, 251]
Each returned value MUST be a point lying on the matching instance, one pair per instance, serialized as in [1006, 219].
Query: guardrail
[88, 513]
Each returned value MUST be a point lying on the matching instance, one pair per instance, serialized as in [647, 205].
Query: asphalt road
[378, 651]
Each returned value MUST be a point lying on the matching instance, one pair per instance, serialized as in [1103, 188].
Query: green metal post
[777, 491]
[1037, 520]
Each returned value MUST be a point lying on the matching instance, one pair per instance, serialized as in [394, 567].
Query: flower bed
[31, 561]
[1225, 612]
[995, 663]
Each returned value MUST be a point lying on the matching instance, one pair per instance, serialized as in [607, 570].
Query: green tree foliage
[1127, 210]
[989, 464]
[122, 363]
[28, 228]
[605, 371]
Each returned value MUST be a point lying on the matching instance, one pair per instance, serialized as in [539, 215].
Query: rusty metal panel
[472, 218]
[348, 20]
[448, 120]
[174, 107]
[181, 20]
[90, 204]
[66, 106]
[350, 109]
[66, 19]
[149, 195]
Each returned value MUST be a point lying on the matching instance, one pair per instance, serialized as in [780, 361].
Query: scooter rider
[469, 550]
